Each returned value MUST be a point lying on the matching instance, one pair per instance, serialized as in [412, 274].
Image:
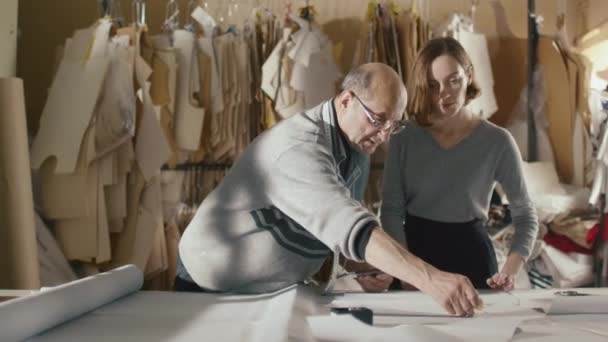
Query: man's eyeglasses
[393, 127]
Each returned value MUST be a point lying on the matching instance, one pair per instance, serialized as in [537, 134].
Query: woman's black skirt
[463, 248]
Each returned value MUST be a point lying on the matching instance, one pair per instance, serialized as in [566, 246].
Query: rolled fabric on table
[28, 316]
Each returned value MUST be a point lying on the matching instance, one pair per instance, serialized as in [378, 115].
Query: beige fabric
[573, 227]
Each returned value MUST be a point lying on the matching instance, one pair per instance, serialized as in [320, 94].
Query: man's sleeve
[305, 186]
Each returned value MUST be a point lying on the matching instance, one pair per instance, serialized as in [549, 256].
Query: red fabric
[564, 244]
[593, 232]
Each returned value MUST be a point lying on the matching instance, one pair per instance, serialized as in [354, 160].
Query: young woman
[442, 169]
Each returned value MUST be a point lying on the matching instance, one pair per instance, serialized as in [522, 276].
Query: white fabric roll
[28, 316]
[18, 256]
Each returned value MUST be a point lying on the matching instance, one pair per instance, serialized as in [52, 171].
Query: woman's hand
[505, 279]
[501, 280]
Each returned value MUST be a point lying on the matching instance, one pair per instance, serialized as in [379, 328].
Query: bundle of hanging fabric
[122, 105]
[392, 36]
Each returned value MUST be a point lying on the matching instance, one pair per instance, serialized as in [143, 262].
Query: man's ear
[344, 98]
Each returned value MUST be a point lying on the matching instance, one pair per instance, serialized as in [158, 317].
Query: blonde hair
[419, 107]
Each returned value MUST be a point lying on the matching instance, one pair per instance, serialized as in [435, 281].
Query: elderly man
[288, 202]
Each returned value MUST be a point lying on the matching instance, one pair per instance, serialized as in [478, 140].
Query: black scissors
[570, 293]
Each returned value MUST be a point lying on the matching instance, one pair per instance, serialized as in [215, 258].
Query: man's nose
[384, 135]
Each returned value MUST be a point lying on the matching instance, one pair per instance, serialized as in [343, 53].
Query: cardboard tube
[18, 247]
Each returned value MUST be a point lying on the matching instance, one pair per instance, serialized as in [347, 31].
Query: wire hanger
[110, 9]
[474, 4]
[139, 12]
[220, 13]
[116, 13]
[308, 13]
[191, 6]
[106, 8]
[229, 14]
[171, 22]
[233, 10]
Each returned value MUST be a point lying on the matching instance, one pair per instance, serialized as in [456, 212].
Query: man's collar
[339, 145]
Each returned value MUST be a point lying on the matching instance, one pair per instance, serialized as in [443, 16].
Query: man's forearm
[389, 256]
[454, 292]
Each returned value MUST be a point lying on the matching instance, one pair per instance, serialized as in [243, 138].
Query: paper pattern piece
[63, 196]
[70, 104]
[217, 100]
[205, 20]
[116, 109]
[572, 305]
[134, 244]
[54, 267]
[348, 328]
[413, 304]
[188, 117]
[78, 236]
[595, 324]
[308, 72]
[151, 147]
[116, 199]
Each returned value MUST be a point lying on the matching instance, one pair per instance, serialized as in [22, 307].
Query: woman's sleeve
[509, 173]
[392, 211]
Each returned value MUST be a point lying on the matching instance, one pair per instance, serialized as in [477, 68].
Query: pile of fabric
[568, 226]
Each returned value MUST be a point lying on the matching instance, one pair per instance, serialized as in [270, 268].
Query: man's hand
[501, 280]
[375, 283]
[454, 292]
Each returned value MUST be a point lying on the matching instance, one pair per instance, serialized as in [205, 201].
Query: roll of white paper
[18, 254]
[28, 316]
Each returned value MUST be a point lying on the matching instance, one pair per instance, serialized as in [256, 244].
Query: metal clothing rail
[224, 166]
[198, 166]
[599, 248]
[112, 9]
[532, 60]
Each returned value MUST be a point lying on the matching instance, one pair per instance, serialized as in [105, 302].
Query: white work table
[114, 309]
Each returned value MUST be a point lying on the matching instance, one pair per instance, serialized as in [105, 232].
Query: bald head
[373, 99]
[377, 82]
